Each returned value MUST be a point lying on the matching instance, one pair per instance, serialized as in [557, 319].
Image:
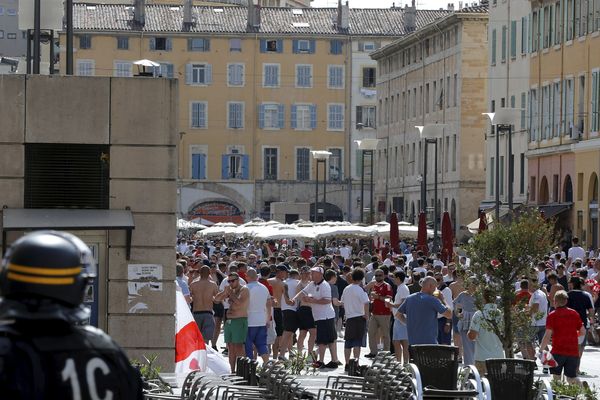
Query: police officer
[46, 350]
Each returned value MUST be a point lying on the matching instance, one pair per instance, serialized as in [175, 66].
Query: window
[235, 74]
[493, 47]
[166, 70]
[597, 15]
[199, 114]
[455, 92]
[568, 104]
[235, 44]
[270, 163]
[335, 117]
[336, 46]
[11, 12]
[367, 46]
[524, 36]
[198, 44]
[270, 75]
[595, 107]
[569, 20]
[198, 74]
[123, 68]
[522, 175]
[271, 46]
[198, 166]
[365, 115]
[303, 46]
[11, 36]
[504, 33]
[304, 76]
[454, 144]
[270, 116]
[534, 32]
[85, 42]
[546, 101]
[368, 77]
[86, 67]
[122, 42]
[556, 110]
[513, 39]
[533, 115]
[335, 165]
[235, 115]
[335, 77]
[523, 106]
[304, 117]
[235, 165]
[558, 23]
[161, 44]
[302, 164]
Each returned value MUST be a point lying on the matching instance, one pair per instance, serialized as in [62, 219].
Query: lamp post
[320, 156]
[504, 119]
[430, 134]
[366, 146]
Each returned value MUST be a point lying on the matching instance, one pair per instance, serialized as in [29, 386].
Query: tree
[502, 255]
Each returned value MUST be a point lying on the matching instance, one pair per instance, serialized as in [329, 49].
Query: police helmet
[47, 264]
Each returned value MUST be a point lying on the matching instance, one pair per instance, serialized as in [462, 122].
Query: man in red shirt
[306, 253]
[563, 327]
[523, 295]
[379, 324]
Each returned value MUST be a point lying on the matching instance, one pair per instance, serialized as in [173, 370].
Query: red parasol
[447, 238]
[394, 233]
[482, 222]
[422, 234]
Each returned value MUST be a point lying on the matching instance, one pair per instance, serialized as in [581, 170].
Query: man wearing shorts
[236, 326]
[289, 312]
[203, 291]
[277, 285]
[259, 316]
[356, 304]
[563, 327]
[306, 322]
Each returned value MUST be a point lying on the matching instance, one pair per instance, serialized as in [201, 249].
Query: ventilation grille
[66, 176]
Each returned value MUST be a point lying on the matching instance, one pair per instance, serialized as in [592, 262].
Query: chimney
[409, 17]
[343, 15]
[139, 12]
[187, 13]
[450, 6]
[253, 15]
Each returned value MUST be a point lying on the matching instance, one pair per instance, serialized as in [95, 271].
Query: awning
[21, 219]
[553, 209]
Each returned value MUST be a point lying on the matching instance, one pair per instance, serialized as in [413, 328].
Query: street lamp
[320, 156]
[504, 119]
[367, 146]
[430, 134]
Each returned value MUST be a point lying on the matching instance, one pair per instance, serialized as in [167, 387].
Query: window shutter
[231, 115]
[202, 166]
[263, 45]
[359, 119]
[280, 46]
[513, 39]
[261, 116]
[294, 46]
[294, 116]
[280, 108]
[230, 74]
[225, 166]
[188, 74]
[208, 74]
[169, 44]
[361, 46]
[312, 46]
[540, 32]
[206, 44]
[195, 115]
[245, 167]
[170, 68]
[195, 166]
[530, 35]
[493, 46]
[190, 43]
[313, 117]
[152, 44]
[202, 115]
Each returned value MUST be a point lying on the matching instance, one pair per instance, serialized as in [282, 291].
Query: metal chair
[510, 379]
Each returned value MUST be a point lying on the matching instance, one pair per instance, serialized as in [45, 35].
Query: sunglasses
[232, 280]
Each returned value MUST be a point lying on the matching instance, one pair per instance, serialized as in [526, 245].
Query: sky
[421, 4]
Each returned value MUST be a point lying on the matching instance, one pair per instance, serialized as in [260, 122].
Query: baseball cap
[316, 269]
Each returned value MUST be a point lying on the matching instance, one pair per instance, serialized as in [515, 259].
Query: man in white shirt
[575, 252]
[538, 308]
[388, 260]
[259, 315]
[289, 309]
[346, 251]
[318, 295]
[356, 306]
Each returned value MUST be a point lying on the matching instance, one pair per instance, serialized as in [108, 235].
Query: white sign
[51, 14]
[145, 272]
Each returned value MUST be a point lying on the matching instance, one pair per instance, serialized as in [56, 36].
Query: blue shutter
[202, 169]
[279, 46]
[295, 46]
[263, 45]
[313, 117]
[245, 167]
[281, 116]
[190, 44]
[261, 116]
[188, 74]
[225, 166]
[152, 44]
[196, 166]
[294, 116]
[206, 44]
[169, 44]
[530, 34]
[312, 46]
[208, 74]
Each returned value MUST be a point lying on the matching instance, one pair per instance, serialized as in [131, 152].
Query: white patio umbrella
[146, 63]
[220, 229]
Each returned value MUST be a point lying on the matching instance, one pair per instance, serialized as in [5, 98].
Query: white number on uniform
[69, 373]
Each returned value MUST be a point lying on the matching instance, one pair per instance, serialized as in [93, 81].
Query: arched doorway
[211, 212]
[593, 210]
[568, 190]
[544, 193]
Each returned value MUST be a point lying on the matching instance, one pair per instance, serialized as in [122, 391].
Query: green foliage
[561, 388]
[502, 255]
[299, 364]
[150, 372]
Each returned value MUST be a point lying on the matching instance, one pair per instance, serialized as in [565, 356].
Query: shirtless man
[236, 326]
[278, 289]
[203, 290]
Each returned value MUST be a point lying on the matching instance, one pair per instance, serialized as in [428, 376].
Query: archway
[568, 190]
[544, 193]
[211, 212]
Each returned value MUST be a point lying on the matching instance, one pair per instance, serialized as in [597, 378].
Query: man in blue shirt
[420, 313]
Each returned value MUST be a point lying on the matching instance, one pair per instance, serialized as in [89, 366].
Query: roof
[233, 19]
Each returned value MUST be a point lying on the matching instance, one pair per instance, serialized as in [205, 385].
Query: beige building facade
[103, 166]
[436, 75]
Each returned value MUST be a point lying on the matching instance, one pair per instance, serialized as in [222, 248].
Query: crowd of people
[272, 299]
